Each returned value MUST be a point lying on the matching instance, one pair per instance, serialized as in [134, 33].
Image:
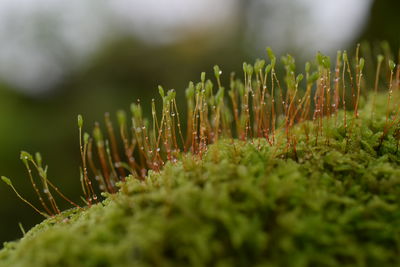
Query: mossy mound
[243, 204]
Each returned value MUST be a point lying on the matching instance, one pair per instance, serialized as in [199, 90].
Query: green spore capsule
[203, 77]
[161, 91]
[270, 53]
[121, 117]
[25, 156]
[80, 121]
[86, 137]
[217, 71]
[392, 65]
[6, 180]
[361, 64]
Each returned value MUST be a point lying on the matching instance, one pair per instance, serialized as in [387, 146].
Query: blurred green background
[58, 60]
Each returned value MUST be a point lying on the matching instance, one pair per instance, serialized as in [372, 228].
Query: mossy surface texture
[331, 203]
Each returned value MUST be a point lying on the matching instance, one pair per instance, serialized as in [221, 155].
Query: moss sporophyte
[301, 170]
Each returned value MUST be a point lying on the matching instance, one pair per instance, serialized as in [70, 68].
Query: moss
[336, 203]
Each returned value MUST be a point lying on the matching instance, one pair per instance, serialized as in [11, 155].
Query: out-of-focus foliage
[384, 23]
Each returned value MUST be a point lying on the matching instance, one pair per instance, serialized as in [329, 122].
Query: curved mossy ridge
[243, 203]
[303, 183]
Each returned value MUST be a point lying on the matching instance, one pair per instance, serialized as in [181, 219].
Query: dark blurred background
[61, 58]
